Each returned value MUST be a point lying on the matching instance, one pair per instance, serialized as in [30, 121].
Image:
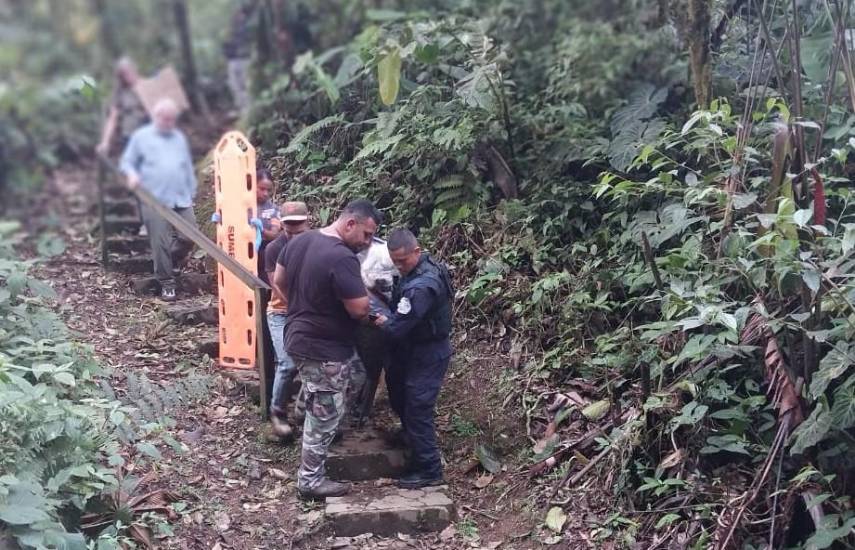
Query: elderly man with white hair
[158, 158]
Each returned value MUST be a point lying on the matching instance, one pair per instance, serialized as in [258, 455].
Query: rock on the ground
[363, 455]
[188, 283]
[390, 512]
[209, 346]
[193, 314]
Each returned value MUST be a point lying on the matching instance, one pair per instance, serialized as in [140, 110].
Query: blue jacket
[421, 317]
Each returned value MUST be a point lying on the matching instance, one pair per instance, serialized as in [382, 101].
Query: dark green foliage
[566, 99]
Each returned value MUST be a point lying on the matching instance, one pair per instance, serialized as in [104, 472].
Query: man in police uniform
[419, 327]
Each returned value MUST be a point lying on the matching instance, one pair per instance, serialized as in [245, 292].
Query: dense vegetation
[685, 271]
[645, 204]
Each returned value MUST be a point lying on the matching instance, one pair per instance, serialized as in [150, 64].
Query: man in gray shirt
[158, 158]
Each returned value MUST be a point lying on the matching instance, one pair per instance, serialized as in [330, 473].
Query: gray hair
[165, 105]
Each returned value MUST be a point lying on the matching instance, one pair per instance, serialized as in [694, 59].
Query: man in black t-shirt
[320, 277]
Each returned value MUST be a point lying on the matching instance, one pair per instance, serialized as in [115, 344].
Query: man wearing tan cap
[295, 220]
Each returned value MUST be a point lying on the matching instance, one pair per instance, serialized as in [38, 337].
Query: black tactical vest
[436, 325]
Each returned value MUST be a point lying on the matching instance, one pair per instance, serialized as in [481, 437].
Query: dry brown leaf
[483, 481]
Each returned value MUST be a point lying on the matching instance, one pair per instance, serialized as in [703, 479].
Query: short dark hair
[263, 174]
[401, 237]
[362, 209]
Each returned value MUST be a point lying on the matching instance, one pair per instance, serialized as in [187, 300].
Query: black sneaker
[327, 488]
[419, 479]
[167, 293]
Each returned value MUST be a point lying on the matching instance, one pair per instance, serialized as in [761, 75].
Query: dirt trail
[236, 489]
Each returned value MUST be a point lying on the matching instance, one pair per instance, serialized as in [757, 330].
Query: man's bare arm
[357, 308]
[271, 276]
[108, 130]
[280, 281]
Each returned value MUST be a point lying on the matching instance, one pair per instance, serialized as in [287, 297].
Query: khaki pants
[167, 244]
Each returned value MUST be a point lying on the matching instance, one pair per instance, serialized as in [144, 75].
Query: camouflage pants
[325, 384]
[352, 395]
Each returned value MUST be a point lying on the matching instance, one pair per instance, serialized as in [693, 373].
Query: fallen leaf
[278, 474]
[448, 533]
[597, 409]
[556, 518]
[222, 521]
[488, 459]
[672, 460]
[483, 480]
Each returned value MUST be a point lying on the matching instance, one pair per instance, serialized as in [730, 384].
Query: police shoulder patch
[404, 306]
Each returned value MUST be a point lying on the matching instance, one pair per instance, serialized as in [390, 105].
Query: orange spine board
[234, 189]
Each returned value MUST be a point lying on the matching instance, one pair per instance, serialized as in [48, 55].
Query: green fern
[304, 134]
[377, 147]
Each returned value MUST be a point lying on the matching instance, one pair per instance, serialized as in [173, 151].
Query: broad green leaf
[381, 15]
[812, 430]
[42, 289]
[21, 514]
[50, 244]
[64, 378]
[148, 449]
[16, 282]
[556, 518]
[427, 53]
[836, 362]
[24, 504]
[848, 242]
[488, 458]
[667, 520]
[811, 277]
[843, 407]
[597, 409]
[389, 76]
[802, 217]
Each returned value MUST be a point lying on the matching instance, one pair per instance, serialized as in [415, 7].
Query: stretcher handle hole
[249, 337]
[249, 308]
[225, 340]
[228, 359]
[223, 307]
[243, 361]
[249, 182]
[250, 250]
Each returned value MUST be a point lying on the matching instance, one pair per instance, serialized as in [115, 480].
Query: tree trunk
[191, 80]
[109, 41]
[698, 37]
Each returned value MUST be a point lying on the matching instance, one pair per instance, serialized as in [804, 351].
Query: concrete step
[131, 264]
[364, 454]
[387, 511]
[116, 192]
[119, 224]
[126, 206]
[188, 283]
[193, 314]
[127, 244]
